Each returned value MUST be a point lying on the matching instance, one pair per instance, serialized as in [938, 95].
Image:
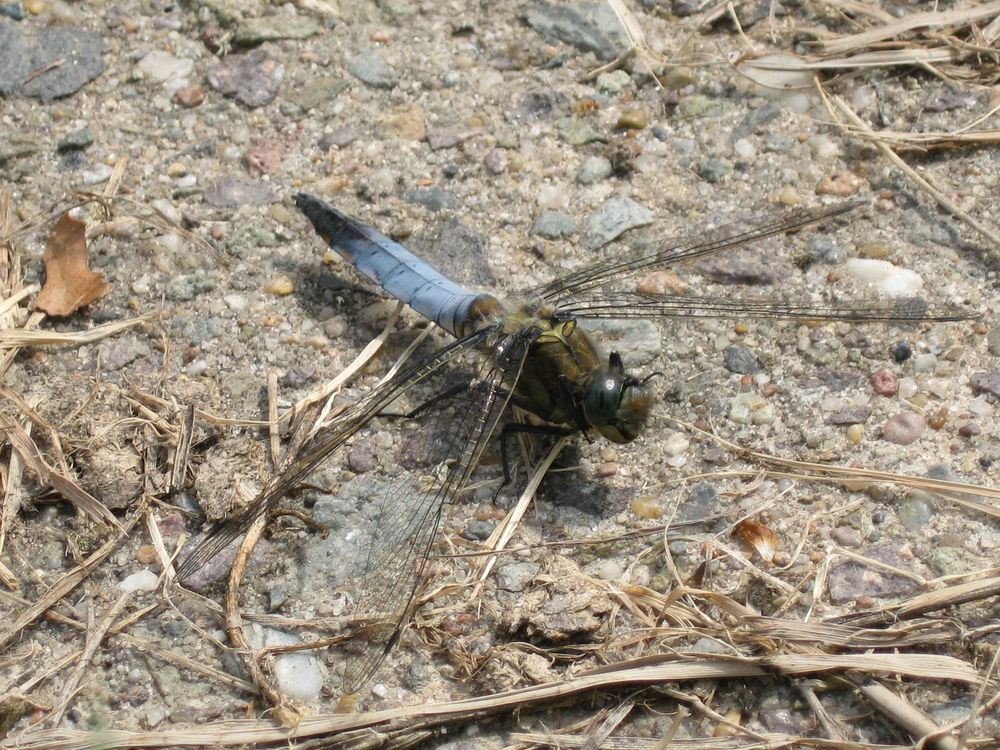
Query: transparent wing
[637, 305]
[677, 250]
[323, 445]
[409, 511]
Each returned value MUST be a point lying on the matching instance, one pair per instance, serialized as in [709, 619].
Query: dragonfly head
[617, 404]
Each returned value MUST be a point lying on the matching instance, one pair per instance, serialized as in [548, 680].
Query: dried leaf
[758, 537]
[69, 282]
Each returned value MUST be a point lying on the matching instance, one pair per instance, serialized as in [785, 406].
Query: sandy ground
[458, 127]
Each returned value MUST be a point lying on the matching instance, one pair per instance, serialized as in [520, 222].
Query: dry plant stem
[67, 582]
[24, 337]
[273, 432]
[260, 675]
[962, 593]
[829, 724]
[185, 435]
[986, 232]
[95, 635]
[615, 717]
[906, 715]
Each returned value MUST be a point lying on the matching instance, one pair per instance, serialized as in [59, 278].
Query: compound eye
[600, 402]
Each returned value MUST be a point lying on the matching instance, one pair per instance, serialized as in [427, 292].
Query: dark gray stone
[22, 55]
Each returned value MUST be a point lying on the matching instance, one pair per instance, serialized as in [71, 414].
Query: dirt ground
[488, 139]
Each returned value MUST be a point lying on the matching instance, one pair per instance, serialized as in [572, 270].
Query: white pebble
[980, 407]
[744, 150]
[907, 388]
[198, 367]
[676, 444]
[553, 198]
[100, 173]
[891, 280]
[162, 66]
[144, 580]
[168, 209]
[235, 302]
[924, 362]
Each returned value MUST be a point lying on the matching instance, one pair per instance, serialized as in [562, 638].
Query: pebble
[907, 388]
[143, 580]
[993, 342]
[714, 170]
[590, 27]
[280, 286]
[904, 428]
[264, 156]
[925, 362]
[613, 82]
[495, 161]
[744, 150]
[874, 250]
[317, 91]
[75, 141]
[662, 283]
[613, 218]
[372, 70]
[298, 675]
[894, 281]
[189, 96]
[252, 78]
[825, 249]
[744, 405]
[253, 31]
[845, 536]
[855, 434]
[986, 382]
[553, 225]
[740, 359]
[841, 184]
[146, 554]
[646, 507]
[884, 383]
[594, 169]
[27, 60]
[231, 192]
[901, 350]
[915, 511]
[676, 444]
[789, 196]
[162, 66]
[633, 119]
[433, 199]
[100, 173]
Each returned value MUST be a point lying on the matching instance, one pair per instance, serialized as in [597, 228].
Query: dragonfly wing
[323, 445]
[636, 305]
[456, 430]
[674, 251]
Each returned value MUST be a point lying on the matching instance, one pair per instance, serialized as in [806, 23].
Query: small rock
[740, 360]
[613, 218]
[613, 82]
[915, 512]
[253, 31]
[162, 66]
[993, 342]
[75, 141]
[845, 536]
[144, 580]
[26, 60]
[925, 362]
[264, 156]
[495, 161]
[904, 428]
[894, 281]
[594, 169]
[841, 184]
[714, 170]
[825, 249]
[553, 225]
[901, 350]
[633, 119]
[947, 97]
[432, 199]
[280, 286]
[661, 283]
[252, 78]
[317, 91]
[231, 192]
[189, 96]
[986, 382]
[372, 70]
[146, 554]
[884, 383]
[100, 173]
[589, 26]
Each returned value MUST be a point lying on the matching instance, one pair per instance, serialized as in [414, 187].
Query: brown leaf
[69, 282]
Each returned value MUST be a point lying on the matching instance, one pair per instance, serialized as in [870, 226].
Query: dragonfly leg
[513, 428]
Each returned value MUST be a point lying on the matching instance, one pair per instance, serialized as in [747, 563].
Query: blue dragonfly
[531, 351]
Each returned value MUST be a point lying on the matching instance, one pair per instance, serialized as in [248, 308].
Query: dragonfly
[531, 351]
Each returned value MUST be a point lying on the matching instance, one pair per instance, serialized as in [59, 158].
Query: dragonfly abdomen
[393, 267]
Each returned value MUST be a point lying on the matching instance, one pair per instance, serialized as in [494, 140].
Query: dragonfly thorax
[617, 404]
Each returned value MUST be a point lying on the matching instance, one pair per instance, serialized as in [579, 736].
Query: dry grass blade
[905, 714]
[898, 27]
[930, 601]
[21, 337]
[428, 715]
[828, 635]
[25, 447]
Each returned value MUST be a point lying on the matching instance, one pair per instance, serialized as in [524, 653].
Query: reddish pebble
[146, 554]
[841, 184]
[661, 282]
[845, 536]
[884, 383]
[904, 428]
[607, 469]
[865, 602]
[768, 390]
[189, 96]
[264, 156]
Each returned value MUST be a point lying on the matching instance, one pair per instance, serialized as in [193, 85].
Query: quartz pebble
[144, 580]
[893, 281]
